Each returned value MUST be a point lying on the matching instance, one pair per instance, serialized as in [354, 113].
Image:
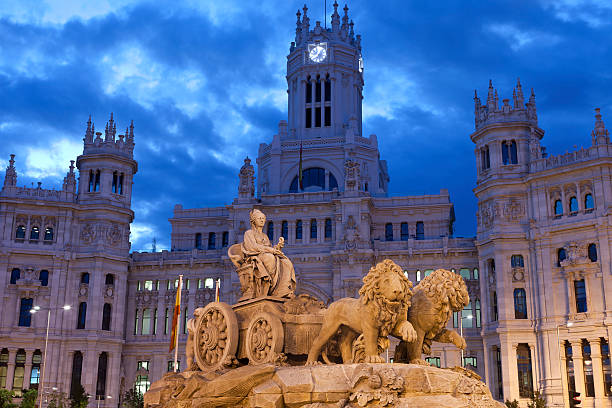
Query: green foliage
[28, 400]
[6, 398]
[58, 399]
[79, 398]
[132, 399]
[537, 401]
[512, 404]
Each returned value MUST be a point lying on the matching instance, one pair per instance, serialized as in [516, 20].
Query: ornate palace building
[538, 271]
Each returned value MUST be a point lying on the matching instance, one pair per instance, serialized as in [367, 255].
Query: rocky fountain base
[325, 386]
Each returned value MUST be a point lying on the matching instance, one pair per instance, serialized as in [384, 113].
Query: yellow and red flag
[175, 317]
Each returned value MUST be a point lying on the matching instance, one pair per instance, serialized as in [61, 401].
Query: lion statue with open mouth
[381, 310]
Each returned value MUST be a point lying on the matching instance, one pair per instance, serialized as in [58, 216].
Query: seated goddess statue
[263, 269]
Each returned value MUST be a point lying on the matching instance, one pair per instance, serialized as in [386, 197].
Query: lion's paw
[313, 363]
[374, 359]
[419, 361]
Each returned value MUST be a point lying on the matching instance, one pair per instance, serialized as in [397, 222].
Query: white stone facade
[337, 224]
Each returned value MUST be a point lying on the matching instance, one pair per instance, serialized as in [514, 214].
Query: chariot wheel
[265, 338]
[216, 336]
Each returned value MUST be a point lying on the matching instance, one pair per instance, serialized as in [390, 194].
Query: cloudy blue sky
[204, 82]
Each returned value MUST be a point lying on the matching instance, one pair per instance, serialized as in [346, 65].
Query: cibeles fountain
[274, 349]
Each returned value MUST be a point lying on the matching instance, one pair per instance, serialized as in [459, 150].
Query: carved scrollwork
[88, 234]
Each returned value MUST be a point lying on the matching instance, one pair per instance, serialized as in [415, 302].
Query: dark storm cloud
[204, 83]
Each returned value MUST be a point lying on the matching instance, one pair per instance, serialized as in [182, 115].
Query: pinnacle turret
[600, 135]
[335, 18]
[10, 177]
[124, 144]
[69, 184]
[492, 112]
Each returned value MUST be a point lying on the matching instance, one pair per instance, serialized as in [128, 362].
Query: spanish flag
[175, 317]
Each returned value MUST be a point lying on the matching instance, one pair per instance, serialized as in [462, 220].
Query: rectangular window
[142, 365]
[155, 321]
[148, 285]
[34, 376]
[581, 299]
[209, 283]
[389, 232]
[420, 230]
[25, 317]
[467, 316]
[589, 384]
[136, 323]
[328, 116]
[313, 229]
[298, 229]
[605, 364]
[142, 384]
[166, 317]
[328, 228]
[318, 116]
[318, 91]
[434, 361]
[18, 379]
[185, 321]
[146, 321]
[308, 92]
[3, 370]
[471, 361]
[171, 365]
[225, 239]
[500, 378]
[308, 117]
[494, 306]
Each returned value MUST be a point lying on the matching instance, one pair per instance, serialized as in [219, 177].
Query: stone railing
[37, 193]
[165, 255]
[180, 212]
[582, 155]
[301, 197]
[424, 244]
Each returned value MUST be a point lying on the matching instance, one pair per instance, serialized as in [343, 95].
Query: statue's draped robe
[277, 269]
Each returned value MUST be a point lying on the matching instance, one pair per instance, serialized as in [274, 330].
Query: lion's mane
[370, 293]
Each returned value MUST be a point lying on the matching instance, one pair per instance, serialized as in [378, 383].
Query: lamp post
[568, 324]
[42, 377]
[102, 397]
[469, 317]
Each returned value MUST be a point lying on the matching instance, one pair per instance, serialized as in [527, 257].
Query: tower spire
[492, 98]
[10, 177]
[600, 135]
[305, 21]
[89, 132]
[519, 100]
[298, 28]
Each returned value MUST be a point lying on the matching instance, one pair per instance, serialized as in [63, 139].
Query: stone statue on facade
[263, 269]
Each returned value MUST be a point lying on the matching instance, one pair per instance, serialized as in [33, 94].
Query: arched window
[558, 207]
[588, 202]
[82, 315]
[308, 118]
[97, 183]
[606, 367]
[77, 369]
[198, 240]
[285, 230]
[20, 360]
[212, 237]
[516, 261]
[225, 239]
[509, 152]
[513, 153]
[404, 231]
[485, 159]
[328, 228]
[465, 273]
[327, 88]
[15, 275]
[106, 316]
[109, 279]
[313, 179]
[494, 311]
[476, 275]
[35, 372]
[142, 382]
[298, 229]
[43, 276]
[573, 204]
[389, 232]
[318, 89]
[505, 153]
[92, 178]
[101, 380]
[20, 232]
[525, 375]
[592, 252]
[420, 230]
[587, 361]
[313, 229]
[560, 256]
[25, 317]
[146, 321]
[48, 234]
[308, 89]
[85, 278]
[115, 182]
[34, 233]
[270, 231]
[520, 304]
[467, 316]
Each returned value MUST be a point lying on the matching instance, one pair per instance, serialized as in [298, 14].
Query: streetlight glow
[32, 311]
[67, 307]
[36, 308]
[570, 324]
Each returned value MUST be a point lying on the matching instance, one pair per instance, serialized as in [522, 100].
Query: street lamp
[568, 325]
[469, 317]
[42, 377]
[102, 397]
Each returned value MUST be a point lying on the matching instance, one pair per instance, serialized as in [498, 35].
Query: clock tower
[324, 78]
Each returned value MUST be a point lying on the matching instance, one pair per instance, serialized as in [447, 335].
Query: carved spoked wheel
[216, 336]
[265, 338]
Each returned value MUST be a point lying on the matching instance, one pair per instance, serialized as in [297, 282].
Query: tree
[6, 398]
[79, 398]
[537, 401]
[28, 400]
[58, 399]
[133, 399]
[512, 404]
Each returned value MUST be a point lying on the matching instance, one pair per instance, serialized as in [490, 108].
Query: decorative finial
[71, 166]
[600, 134]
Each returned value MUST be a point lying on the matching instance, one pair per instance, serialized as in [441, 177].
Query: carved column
[598, 378]
[320, 229]
[27, 373]
[513, 372]
[563, 374]
[578, 367]
[291, 232]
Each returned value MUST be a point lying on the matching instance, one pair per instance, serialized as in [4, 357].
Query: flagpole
[178, 324]
[217, 289]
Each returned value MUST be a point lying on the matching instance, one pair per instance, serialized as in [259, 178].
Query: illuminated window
[573, 204]
[558, 207]
[20, 232]
[470, 361]
[35, 372]
[433, 361]
[34, 233]
[465, 273]
[48, 234]
[525, 374]
[146, 322]
[588, 202]
[19, 372]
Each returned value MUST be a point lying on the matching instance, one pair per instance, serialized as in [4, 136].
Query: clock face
[317, 53]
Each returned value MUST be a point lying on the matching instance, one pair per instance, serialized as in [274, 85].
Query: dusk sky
[204, 83]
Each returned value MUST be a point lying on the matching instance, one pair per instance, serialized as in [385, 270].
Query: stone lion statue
[433, 302]
[380, 310]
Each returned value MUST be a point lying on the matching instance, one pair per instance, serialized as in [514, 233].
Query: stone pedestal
[325, 386]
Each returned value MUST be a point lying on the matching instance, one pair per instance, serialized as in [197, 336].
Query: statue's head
[257, 218]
